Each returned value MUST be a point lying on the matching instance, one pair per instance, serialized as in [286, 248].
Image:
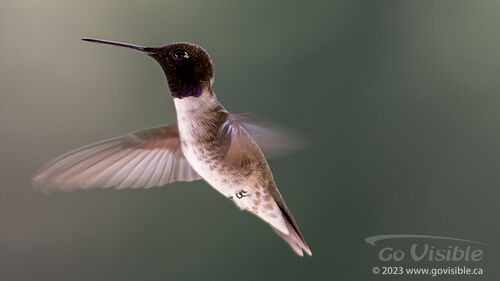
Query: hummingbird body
[248, 182]
[207, 143]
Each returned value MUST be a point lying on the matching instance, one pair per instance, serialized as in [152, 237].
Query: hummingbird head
[187, 66]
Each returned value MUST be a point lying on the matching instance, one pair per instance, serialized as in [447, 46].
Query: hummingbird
[207, 142]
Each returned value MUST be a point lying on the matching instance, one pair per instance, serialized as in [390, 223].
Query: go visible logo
[432, 249]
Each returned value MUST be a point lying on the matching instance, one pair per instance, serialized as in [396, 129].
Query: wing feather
[146, 158]
[273, 140]
[157, 172]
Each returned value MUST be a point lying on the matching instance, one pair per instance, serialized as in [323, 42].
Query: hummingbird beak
[150, 51]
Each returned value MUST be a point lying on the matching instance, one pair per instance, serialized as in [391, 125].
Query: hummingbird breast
[199, 121]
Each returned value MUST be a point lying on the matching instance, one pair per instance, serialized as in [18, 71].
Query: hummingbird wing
[262, 197]
[273, 140]
[146, 158]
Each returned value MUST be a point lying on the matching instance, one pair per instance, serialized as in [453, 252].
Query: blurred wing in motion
[274, 141]
[146, 158]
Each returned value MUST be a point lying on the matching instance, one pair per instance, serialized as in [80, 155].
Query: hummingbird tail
[294, 237]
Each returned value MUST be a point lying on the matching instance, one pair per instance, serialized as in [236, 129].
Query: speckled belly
[213, 170]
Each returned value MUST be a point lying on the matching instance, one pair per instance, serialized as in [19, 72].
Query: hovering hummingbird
[207, 142]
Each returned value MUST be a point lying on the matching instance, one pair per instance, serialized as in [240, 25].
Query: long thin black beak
[146, 50]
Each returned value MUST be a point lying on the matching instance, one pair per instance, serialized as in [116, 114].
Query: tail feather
[294, 237]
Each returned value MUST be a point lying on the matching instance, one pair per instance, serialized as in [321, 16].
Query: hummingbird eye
[180, 54]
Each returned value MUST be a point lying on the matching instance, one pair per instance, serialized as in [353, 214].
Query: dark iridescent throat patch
[193, 92]
[186, 91]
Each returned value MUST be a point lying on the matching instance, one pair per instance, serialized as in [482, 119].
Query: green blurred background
[400, 101]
